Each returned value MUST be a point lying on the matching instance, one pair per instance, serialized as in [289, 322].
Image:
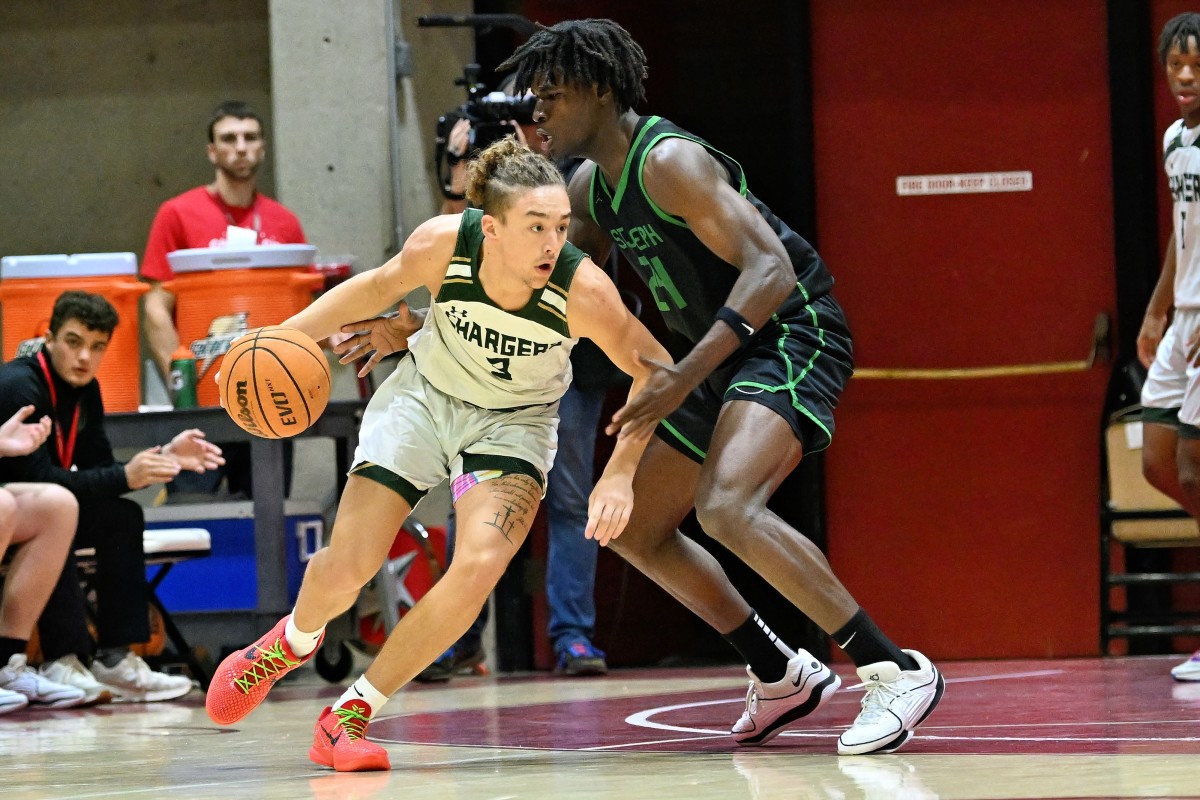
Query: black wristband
[736, 322]
[453, 158]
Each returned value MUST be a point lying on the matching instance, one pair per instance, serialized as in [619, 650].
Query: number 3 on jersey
[500, 368]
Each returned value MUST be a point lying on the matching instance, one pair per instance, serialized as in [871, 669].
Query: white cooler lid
[80, 265]
[203, 259]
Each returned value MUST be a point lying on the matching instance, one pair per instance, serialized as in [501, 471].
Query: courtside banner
[964, 183]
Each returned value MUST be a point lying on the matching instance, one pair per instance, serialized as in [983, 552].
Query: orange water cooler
[220, 293]
[29, 285]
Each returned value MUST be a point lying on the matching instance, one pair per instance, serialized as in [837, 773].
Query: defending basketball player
[475, 400]
[770, 355]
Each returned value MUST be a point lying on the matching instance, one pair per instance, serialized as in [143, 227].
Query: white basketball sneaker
[11, 701]
[71, 671]
[18, 676]
[132, 681]
[1188, 670]
[897, 701]
[770, 706]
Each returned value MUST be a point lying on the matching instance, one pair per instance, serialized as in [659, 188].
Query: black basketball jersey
[689, 282]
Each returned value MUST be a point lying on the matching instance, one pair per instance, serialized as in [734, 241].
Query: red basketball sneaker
[340, 740]
[245, 677]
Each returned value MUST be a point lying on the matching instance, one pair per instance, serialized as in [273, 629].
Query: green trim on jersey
[491, 357]
[688, 281]
[547, 307]
[624, 182]
[1176, 143]
[743, 188]
[615, 199]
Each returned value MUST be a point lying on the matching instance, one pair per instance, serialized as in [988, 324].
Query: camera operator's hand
[458, 145]
[458, 152]
[519, 132]
[459, 140]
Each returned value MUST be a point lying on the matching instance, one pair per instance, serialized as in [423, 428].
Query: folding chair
[1134, 515]
[164, 548]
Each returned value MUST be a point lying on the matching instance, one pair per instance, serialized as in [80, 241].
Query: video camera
[490, 114]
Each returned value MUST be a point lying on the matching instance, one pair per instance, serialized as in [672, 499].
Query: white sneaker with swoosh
[897, 701]
[1188, 670]
[770, 706]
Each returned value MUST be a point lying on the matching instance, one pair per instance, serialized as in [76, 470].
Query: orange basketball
[274, 382]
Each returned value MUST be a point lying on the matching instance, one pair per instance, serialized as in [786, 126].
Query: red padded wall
[963, 513]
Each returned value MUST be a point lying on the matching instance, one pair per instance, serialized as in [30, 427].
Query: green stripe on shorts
[385, 477]
[1161, 416]
[478, 462]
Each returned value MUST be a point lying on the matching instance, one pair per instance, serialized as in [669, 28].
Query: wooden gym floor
[1087, 728]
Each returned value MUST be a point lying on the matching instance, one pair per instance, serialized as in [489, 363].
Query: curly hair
[503, 169]
[1177, 31]
[96, 313]
[583, 52]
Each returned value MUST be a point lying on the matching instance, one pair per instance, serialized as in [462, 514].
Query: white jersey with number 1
[1181, 159]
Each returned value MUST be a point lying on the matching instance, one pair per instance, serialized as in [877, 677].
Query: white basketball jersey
[472, 349]
[1181, 158]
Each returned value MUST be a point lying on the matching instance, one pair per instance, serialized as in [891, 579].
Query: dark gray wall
[103, 110]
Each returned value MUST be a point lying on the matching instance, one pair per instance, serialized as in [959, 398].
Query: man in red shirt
[209, 216]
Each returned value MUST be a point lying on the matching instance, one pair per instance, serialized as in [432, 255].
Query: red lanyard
[220, 201]
[66, 451]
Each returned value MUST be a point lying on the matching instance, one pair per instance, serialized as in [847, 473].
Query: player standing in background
[1171, 393]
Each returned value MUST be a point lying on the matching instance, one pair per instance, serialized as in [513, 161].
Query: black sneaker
[455, 661]
[579, 659]
[439, 671]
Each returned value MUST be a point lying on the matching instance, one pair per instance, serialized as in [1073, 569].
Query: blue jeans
[571, 561]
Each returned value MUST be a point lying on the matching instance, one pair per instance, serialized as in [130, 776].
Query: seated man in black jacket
[60, 381]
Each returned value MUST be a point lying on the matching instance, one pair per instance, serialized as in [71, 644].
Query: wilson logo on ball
[244, 416]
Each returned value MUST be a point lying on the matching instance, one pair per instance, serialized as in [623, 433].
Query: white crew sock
[362, 689]
[301, 642]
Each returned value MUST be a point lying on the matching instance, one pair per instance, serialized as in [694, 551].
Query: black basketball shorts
[796, 366]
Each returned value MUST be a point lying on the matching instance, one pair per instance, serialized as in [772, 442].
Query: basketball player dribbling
[770, 356]
[476, 401]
